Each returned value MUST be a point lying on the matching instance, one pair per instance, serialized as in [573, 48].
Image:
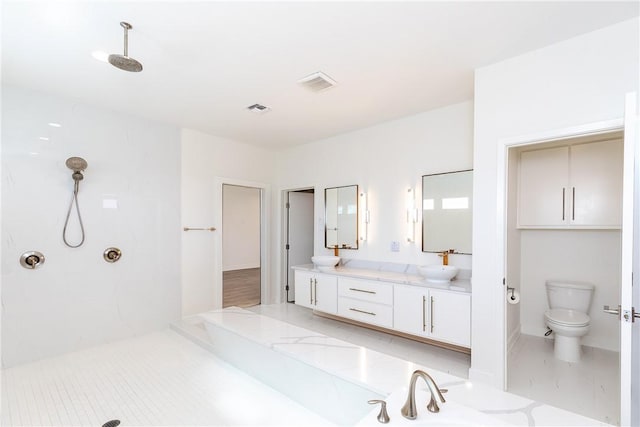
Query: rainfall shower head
[124, 62]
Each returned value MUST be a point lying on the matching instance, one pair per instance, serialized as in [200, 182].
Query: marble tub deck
[380, 372]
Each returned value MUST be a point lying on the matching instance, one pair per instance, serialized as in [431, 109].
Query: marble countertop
[404, 278]
[468, 402]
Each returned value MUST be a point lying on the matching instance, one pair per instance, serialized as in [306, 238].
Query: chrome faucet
[409, 409]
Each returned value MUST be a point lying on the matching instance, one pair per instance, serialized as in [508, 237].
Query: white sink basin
[325, 262]
[438, 273]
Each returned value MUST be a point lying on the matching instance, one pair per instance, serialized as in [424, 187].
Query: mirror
[447, 207]
[341, 217]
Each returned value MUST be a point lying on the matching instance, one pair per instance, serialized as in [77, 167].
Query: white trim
[265, 206]
[626, 257]
[501, 177]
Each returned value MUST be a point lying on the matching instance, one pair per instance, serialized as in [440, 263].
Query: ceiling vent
[317, 82]
[258, 109]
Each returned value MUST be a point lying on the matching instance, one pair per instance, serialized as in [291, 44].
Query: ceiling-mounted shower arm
[126, 27]
[124, 62]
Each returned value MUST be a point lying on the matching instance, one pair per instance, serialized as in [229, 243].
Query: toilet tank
[569, 295]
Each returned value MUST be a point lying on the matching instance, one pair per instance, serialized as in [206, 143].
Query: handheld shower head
[124, 62]
[76, 164]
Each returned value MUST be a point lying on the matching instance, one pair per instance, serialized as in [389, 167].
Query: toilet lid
[567, 317]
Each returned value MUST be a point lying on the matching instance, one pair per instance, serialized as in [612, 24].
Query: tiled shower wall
[129, 199]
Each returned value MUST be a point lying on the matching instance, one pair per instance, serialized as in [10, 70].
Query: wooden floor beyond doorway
[241, 288]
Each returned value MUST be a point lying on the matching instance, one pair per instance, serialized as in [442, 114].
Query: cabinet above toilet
[571, 186]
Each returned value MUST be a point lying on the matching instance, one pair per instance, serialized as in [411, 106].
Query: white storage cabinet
[440, 315]
[316, 290]
[576, 186]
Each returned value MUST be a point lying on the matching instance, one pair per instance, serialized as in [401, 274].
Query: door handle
[615, 311]
[310, 291]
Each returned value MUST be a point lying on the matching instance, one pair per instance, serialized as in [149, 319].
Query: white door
[450, 317]
[299, 243]
[628, 328]
[410, 309]
[304, 288]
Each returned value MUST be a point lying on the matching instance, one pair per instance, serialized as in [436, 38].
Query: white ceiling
[205, 62]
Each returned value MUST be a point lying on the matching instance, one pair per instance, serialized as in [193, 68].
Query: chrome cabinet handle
[431, 314]
[310, 290]
[424, 318]
[573, 204]
[563, 203]
[362, 290]
[362, 311]
[315, 290]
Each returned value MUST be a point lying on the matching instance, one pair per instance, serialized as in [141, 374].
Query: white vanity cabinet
[316, 290]
[577, 186]
[366, 301]
[440, 315]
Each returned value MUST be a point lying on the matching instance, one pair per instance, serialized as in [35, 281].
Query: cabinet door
[450, 317]
[596, 184]
[543, 187]
[409, 309]
[325, 293]
[304, 288]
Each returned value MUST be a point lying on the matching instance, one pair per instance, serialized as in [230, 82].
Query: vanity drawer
[367, 312]
[365, 290]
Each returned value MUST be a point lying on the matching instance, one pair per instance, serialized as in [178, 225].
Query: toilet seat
[564, 317]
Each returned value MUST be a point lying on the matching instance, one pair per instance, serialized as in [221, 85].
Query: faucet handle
[383, 416]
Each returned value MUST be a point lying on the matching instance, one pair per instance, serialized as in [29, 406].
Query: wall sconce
[412, 215]
[364, 216]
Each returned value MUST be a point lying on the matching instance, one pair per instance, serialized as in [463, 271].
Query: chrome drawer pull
[362, 311]
[362, 290]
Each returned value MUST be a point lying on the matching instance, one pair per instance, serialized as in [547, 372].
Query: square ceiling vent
[317, 82]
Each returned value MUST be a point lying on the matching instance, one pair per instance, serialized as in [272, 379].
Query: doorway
[241, 244]
[545, 244]
[298, 234]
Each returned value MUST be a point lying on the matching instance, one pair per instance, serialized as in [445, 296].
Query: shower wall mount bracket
[31, 260]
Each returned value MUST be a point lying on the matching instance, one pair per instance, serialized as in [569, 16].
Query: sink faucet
[409, 409]
[445, 256]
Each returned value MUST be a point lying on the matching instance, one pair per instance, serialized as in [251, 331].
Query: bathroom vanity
[398, 303]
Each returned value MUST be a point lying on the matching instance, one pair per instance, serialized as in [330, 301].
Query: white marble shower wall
[129, 198]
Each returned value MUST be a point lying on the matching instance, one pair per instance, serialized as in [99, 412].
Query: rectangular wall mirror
[341, 217]
[447, 207]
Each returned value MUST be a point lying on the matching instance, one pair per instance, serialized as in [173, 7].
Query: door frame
[502, 172]
[265, 198]
[284, 271]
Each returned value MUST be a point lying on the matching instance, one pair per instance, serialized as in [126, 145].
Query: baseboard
[240, 267]
[484, 377]
[512, 339]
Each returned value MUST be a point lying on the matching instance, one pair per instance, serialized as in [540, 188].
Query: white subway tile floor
[159, 379]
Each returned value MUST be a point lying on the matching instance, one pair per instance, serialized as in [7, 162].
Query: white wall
[384, 160]
[579, 81]
[580, 255]
[205, 158]
[241, 231]
[76, 299]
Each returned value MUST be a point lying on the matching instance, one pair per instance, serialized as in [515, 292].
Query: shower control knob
[31, 260]
[112, 254]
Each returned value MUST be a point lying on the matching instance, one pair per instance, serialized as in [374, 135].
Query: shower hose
[74, 198]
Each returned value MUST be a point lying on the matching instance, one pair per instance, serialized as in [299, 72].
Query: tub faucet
[409, 409]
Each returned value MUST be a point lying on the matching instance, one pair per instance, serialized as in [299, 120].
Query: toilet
[567, 316]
